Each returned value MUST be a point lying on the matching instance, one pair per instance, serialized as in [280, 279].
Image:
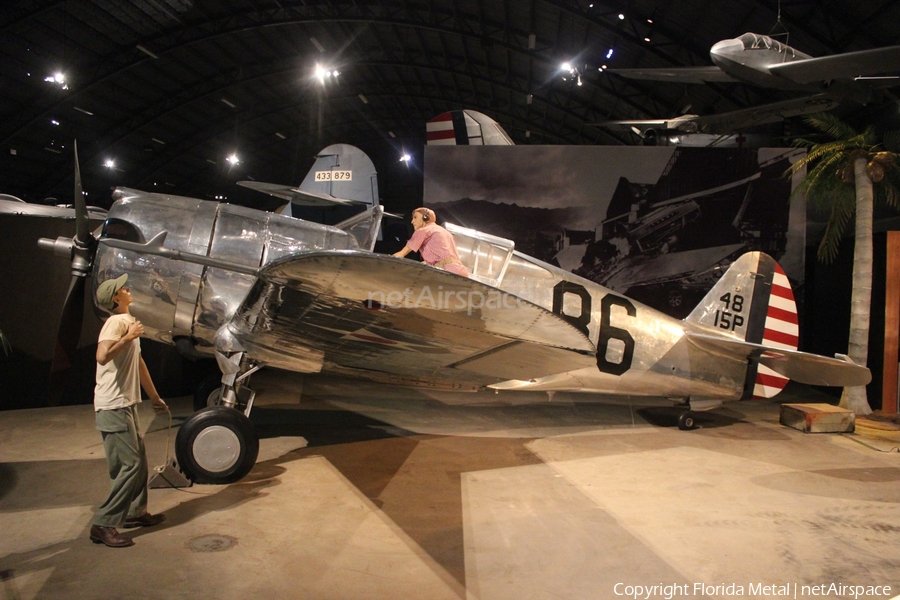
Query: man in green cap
[121, 372]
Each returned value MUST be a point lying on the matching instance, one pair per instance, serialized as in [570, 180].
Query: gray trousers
[127, 462]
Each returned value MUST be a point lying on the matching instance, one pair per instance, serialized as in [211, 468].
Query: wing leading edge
[379, 314]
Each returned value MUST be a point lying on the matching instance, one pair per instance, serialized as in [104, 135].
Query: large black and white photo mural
[660, 224]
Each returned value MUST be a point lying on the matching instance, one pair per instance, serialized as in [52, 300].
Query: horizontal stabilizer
[802, 367]
[296, 195]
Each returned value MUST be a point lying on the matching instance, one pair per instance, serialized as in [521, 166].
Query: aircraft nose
[726, 48]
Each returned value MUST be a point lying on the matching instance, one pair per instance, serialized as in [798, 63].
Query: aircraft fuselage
[749, 57]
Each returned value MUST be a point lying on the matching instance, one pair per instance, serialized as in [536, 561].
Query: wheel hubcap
[216, 449]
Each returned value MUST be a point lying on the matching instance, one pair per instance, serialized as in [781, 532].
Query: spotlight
[59, 79]
[322, 73]
[233, 160]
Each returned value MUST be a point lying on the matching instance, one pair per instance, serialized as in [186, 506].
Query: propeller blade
[63, 377]
[82, 225]
[67, 335]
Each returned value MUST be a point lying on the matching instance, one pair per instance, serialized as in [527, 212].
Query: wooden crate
[818, 418]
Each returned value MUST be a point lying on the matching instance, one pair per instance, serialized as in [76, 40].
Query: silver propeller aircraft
[257, 289]
[763, 61]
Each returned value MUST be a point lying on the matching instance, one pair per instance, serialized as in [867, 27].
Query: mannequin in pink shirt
[434, 243]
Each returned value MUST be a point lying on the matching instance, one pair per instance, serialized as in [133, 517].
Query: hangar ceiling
[169, 88]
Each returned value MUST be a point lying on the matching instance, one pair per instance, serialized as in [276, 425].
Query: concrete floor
[365, 491]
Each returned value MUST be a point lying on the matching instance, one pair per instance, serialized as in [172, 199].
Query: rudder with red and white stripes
[781, 330]
[753, 301]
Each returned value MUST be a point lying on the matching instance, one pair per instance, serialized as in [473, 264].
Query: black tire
[216, 445]
[208, 392]
[685, 421]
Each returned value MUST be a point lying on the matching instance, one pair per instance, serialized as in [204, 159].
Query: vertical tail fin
[753, 301]
[465, 128]
[342, 171]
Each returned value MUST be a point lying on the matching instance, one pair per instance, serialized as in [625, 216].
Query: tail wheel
[686, 421]
[216, 445]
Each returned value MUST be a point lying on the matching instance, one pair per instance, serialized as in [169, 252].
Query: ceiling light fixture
[323, 73]
[225, 100]
[233, 160]
[59, 79]
[573, 72]
[81, 110]
[316, 43]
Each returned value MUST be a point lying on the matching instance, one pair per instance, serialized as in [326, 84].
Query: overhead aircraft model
[257, 289]
[654, 130]
[763, 61]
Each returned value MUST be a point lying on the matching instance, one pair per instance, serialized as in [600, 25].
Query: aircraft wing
[731, 121]
[710, 74]
[18, 207]
[647, 270]
[802, 367]
[767, 113]
[295, 195]
[378, 315]
[850, 65]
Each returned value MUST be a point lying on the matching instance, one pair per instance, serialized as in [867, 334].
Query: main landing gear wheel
[217, 444]
[686, 421]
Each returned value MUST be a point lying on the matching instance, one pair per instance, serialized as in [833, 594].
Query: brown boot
[109, 536]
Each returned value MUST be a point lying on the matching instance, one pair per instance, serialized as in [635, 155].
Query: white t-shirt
[119, 380]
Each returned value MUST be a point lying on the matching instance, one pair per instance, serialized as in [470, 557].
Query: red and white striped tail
[465, 128]
[782, 330]
[440, 130]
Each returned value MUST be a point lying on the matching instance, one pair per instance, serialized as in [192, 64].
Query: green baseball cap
[107, 290]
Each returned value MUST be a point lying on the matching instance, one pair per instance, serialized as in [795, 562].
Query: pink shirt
[436, 244]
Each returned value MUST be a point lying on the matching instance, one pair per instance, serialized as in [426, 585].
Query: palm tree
[847, 176]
